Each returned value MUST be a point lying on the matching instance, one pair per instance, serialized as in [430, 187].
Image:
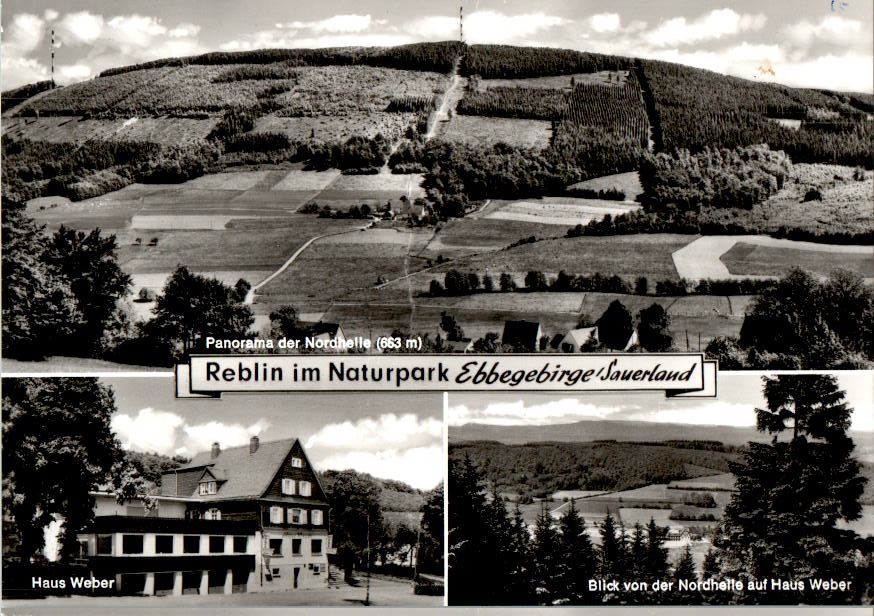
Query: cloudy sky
[739, 395]
[395, 436]
[810, 43]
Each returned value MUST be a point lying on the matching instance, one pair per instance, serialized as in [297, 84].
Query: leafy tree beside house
[192, 307]
[355, 512]
[615, 326]
[57, 448]
[653, 329]
[38, 304]
[89, 263]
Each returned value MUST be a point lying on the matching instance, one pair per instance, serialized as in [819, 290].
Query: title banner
[686, 374]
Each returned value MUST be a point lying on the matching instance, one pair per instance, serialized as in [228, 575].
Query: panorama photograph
[761, 496]
[117, 496]
[488, 176]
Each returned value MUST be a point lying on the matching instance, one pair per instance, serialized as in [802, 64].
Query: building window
[317, 546]
[132, 544]
[163, 544]
[297, 462]
[297, 516]
[240, 544]
[306, 488]
[216, 545]
[295, 546]
[276, 572]
[212, 514]
[207, 487]
[317, 569]
[276, 547]
[276, 515]
[191, 544]
[104, 544]
[288, 486]
[317, 517]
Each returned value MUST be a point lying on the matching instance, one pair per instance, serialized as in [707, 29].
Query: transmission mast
[460, 23]
[53, 58]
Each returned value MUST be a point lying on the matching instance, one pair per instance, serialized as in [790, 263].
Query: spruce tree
[610, 552]
[684, 570]
[637, 552]
[576, 557]
[545, 557]
[656, 561]
[782, 521]
[520, 589]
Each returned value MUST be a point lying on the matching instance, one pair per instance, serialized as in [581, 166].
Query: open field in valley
[745, 258]
[562, 211]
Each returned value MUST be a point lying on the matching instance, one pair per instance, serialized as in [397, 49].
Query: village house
[574, 340]
[326, 332]
[244, 519]
[522, 335]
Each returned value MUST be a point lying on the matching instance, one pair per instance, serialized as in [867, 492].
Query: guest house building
[244, 519]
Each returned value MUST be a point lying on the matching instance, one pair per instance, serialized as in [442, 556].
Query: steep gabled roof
[578, 337]
[332, 329]
[521, 334]
[246, 475]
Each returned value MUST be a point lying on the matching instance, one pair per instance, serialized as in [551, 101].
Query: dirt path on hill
[450, 100]
[701, 258]
[250, 296]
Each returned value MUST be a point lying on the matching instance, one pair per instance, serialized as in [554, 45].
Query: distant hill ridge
[627, 431]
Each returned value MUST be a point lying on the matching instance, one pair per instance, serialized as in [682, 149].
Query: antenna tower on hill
[53, 58]
[461, 23]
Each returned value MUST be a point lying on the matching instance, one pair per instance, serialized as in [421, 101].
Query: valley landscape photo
[659, 178]
[632, 488]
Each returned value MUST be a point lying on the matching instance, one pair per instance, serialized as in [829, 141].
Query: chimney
[216, 450]
[253, 445]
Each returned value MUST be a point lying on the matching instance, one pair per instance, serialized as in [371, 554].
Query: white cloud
[833, 30]
[184, 30]
[337, 23]
[167, 433]
[604, 22]
[420, 467]
[50, 15]
[485, 26]
[708, 414]
[82, 28]
[20, 71]
[516, 413]
[433, 27]
[714, 25]
[148, 430]
[23, 34]
[265, 39]
[374, 433]
[403, 447]
[69, 73]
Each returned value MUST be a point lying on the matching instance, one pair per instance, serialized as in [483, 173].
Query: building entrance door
[296, 575]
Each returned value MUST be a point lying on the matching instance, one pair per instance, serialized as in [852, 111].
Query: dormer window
[306, 488]
[297, 462]
[207, 487]
[288, 486]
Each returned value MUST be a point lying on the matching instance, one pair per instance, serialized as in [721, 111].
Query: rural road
[250, 296]
[701, 259]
